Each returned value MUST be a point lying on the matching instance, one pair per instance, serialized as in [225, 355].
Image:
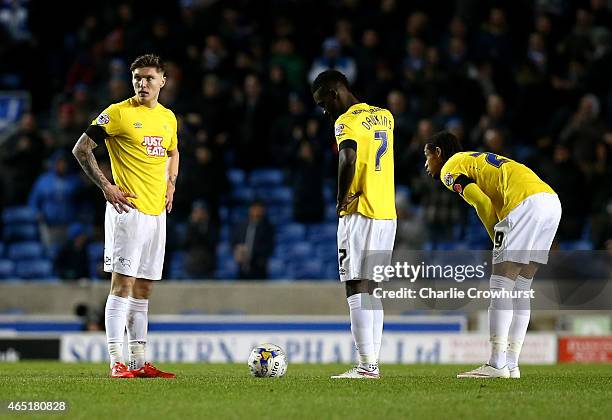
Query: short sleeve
[174, 139]
[109, 120]
[343, 130]
[449, 174]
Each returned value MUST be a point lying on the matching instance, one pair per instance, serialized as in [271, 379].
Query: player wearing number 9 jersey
[521, 214]
[365, 205]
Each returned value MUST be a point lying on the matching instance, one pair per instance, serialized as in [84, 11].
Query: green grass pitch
[227, 391]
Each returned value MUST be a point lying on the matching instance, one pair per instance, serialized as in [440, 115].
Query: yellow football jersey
[138, 140]
[503, 180]
[372, 129]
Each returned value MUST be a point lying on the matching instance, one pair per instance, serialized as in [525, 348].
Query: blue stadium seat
[243, 195]
[224, 214]
[330, 213]
[38, 269]
[26, 250]
[329, 192]
[326, 252]
[177, 265]
[226, 269]
[275, 195]
[291, 232]
[225, 233]
[280, 214]
[95, 251]
[266, 177]
[301, 250]
[236, 177]
[7, 269]
[582, 245]
[308, 270]
[1, 249]
[325, 230]
[277, 269]
[239, 214]
[19, 214]
[20, 232]
[331, 271]
[224, 249]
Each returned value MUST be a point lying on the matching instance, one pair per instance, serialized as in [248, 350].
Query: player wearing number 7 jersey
[365, 206]
[521, 214]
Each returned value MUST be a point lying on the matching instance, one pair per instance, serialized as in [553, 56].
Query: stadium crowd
[527, 80]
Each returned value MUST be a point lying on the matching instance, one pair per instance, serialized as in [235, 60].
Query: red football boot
[120, 370]
[150, 371]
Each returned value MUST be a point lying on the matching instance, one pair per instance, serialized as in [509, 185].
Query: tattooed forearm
[84, 155]
[173, 166]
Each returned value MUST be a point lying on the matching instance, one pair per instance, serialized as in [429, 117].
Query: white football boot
[360, 372]
[515, 373]
[486, 372]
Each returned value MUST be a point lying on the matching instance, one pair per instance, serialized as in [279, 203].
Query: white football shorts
[134, 243]
[362, 244]
[527, 233]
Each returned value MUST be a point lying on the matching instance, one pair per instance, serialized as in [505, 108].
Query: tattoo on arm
[172, 179]
[83, 152]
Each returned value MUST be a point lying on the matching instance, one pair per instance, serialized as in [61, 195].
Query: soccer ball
[267, 361]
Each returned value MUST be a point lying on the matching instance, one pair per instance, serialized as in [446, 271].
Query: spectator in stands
[22, 157]
[495, 117]
[411, 231]
[584, 131]
[333, 58]
[200, 243]
[71, 262]
[252, 134]
[411, 157]
[284, 55]
[564, 176]
[54, 197]
[205, 180]
[253, 243]
[307, 181]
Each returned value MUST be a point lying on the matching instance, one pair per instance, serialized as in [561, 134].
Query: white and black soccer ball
[267, 361]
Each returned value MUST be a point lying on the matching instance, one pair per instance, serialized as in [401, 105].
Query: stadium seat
[226, 269]
[325, 252]
[177, 265]
[224, 214]
[95, 251]
[280, 214]
[224, 249]
[330, 213]
[38, 269]
[325, 230]
[20, 232]
[276, 195]
[25, 250]
[331, 271]
[291, 232]
[308, 270]
[236, 177]
[277, 269]
[225, 233]
[266, 177]
[239, 214]
[19, 214]
[301, 250]
[243, 195]
[1, 249]
[7, 269]
[582, 245]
